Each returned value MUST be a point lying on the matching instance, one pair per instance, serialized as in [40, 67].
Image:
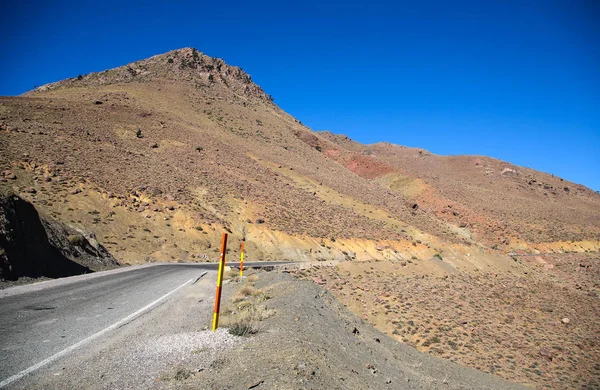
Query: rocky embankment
[34, 246]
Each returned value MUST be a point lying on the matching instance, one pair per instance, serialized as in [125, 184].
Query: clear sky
[515, 80]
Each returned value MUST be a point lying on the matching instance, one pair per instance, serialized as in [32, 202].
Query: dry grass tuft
[231, 274]
[247, 314]
[244, 314]
[244, 321]
[243, 293]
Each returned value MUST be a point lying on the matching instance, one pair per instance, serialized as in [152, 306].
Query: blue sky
[515, 80]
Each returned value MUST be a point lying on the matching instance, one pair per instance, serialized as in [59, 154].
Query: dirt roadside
[312, 341]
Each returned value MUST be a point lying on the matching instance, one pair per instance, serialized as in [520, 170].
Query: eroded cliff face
[35, 246]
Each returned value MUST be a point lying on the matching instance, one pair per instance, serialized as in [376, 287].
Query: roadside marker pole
[215, 323]
[242, 261]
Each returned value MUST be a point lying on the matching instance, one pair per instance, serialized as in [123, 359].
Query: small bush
[438, 256]
[242, 293]
[263, 296]
[138, 133]
[182, 374]
[76, 239]
[242, 329]
[248, 290]
[170, 60]
[232, 274]
[431, 340]
[244, 318]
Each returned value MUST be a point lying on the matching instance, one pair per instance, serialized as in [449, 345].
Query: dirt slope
[498, 202]
[538, 327]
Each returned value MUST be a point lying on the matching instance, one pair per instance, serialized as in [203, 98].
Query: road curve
[39, 324]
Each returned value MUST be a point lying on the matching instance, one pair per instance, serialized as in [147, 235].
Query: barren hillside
[181, 145]
[498, 201]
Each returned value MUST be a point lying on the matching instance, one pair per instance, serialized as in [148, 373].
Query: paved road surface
[38, 324]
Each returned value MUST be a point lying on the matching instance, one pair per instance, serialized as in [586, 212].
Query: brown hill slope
[494, 198]
[158, 155]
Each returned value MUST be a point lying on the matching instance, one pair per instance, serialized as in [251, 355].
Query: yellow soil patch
[406, 185]
[125, 131]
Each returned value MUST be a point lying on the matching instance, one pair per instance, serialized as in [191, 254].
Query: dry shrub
[243, 292]
[232, 274]
[244, 321]
[262, 296]
[242, 317]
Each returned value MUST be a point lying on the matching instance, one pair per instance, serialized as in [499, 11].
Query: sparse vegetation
[245, 312]
[246, 319]
[242, 293]
[456, 316]
[76, 239]
[182, 374]
[243, 329]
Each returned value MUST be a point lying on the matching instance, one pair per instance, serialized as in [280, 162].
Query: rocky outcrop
[187, 64]
[33, 245]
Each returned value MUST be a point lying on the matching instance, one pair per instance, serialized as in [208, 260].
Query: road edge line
[73, 347]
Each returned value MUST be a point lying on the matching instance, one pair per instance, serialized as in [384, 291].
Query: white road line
[67, 350]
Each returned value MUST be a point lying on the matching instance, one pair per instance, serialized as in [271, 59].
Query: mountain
[159, 156]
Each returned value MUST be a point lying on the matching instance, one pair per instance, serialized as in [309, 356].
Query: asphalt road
[41, 325]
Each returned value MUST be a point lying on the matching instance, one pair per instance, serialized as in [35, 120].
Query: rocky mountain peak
[187, 65]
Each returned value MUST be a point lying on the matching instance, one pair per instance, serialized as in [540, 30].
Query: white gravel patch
[152, 361]
[179, 347]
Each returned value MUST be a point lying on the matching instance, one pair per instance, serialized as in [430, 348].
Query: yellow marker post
[215, 324]
[242, 261]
